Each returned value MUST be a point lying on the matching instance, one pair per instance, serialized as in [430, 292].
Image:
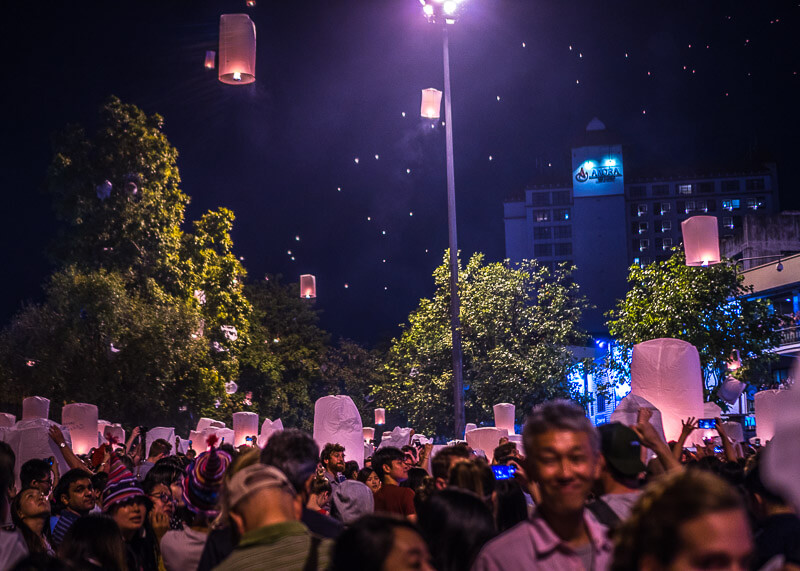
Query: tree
[706, 307]
[170, 302]
[517, 325]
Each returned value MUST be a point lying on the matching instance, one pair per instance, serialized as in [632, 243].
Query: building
[603, 221]
[760, 238]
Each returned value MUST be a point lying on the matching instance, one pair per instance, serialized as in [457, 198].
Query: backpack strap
[604, 514]
[312, 561]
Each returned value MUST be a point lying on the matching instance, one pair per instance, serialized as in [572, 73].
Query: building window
[727, 222]
[665, 208]
[541, 215]
[705, 187]
[561, 214]
[702, 206]
[542, 250]
[755, 203]
[562, 232]
[730, 185]
[732, 204]
[754, 184]
[685, 189]
[644, 244]
[563, 249]
[641, 210]
[666, 244]
[561, 198]
[540, 199]
[666, 225]
[690, 206]
[637, 191]
[541, 232]
[642, 227]
[660, 190]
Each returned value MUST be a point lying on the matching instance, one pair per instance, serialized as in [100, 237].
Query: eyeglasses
[166, 498]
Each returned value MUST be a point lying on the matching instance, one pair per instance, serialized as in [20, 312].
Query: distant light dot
[385, 288]
[570, 48]
[690, 45]
[383, 232]
[426, 250]
[577, 81]
[726, 95]
[346, 286]
[339, 189]
[384, 261]
[580, 55]
[289, 252]
[297, 238]
[684, 67]
[549, 164]
[498, 98]
[292, 258]
[276, 340]
[356, 160]
[408, 171]
[403, 113]
[707, 46]
[411, 214]
[433, 126]
[644, 111]
[626, 55]
[377, 157]
[442, 123]
[694, 71]
[648, 73]
[490, 157]
[369, 218]
[523, 44]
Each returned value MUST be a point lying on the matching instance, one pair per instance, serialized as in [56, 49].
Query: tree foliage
[706, 307]
[517, 325]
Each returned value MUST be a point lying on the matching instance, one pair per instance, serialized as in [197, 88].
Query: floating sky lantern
[701, 240]
[308, 286]
[369, 433]
[237, 49]
[380, 416]
[431, 103]
[81, 419]
[211, 58]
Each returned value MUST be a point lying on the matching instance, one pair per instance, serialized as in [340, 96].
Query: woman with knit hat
[182, 549]
[126, 503]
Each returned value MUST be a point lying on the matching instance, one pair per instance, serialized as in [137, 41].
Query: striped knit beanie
[121, 487]
[204, 480]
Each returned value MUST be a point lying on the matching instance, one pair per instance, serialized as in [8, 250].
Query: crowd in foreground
[576, 497]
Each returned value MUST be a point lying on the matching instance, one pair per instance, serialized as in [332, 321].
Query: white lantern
[268, 428]
[7, 420]
[237, 49]
[337, 420]
[380, 416]
[204, 423]
[667, 373]
[369, 433]
[486, 439]
[115, 432]
[211, 57]
[504, 416]
[35, 407]
[431, 103]
[767, 405]
[81, 419]
[308, 286]
[731, 389]
[701, 240]
[244, 424]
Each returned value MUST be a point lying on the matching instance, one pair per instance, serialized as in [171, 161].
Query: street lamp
[444, 12]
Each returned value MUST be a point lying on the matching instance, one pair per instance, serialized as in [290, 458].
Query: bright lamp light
[449, 7]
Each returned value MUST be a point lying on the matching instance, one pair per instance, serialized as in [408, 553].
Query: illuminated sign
[588, 173]
[597, 171]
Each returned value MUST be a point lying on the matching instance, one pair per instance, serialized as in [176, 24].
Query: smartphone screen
[504, 472]
[705, 423]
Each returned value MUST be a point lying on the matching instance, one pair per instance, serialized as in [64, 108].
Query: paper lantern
[211, 57]
[486, 439]
[701, 240]
[35, 407]
[731, 389]
[767, 409]
[627, 413]
[237, 49]
[115, 432]
[504, 416]
[204, 423]
[81, 419]
[7, 420]
[31, 439]
[667, 373]
[308, 286]
[469, 426]
[734, 431]
[734, 361]
[225, 435]
[398, 437]
[380, 416]
[245, 424]
[431, 103]
[164, 432]
[268, 428]
[782, 456]
[369, 433]
[336, 419]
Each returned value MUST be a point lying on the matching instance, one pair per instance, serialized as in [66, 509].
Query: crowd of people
[574, 497]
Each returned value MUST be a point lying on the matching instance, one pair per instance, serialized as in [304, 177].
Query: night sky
[689, 86]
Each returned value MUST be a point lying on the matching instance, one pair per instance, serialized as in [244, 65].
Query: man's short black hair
[328, 450]
[70, 477]
[385, 457]
[294, 453]
[440, 464]
[34, 469]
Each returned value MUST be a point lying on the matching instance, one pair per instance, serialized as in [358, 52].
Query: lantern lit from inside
[369, 433]
[81, 420]
[701, 240]
[308, 286]
[431, 103]
[237, 49]
[211, 57]
[380, 416]
[734, 361]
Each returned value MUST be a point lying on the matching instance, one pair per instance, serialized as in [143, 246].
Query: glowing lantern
[251, 3]
[308, 286]
[114, 431]
[431, 103]
[667, 373]
[336, 419]
[369, 433]
[244, 424]
[486, 439]
[701, 240]
[81, 419]
[35, 407]
[211, 57]
[731, 389]
[504, 416]
[204, 423]
[237, 49]
[734, 361]
[767, 405]
[380, 416]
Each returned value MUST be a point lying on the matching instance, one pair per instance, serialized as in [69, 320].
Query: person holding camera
[158, 449]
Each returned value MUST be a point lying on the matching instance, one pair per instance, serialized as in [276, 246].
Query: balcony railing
[789, 335]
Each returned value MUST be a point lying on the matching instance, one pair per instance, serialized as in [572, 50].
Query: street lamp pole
[455, 305]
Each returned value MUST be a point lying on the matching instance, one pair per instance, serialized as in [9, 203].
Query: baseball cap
[621, 448]
[253, 478]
